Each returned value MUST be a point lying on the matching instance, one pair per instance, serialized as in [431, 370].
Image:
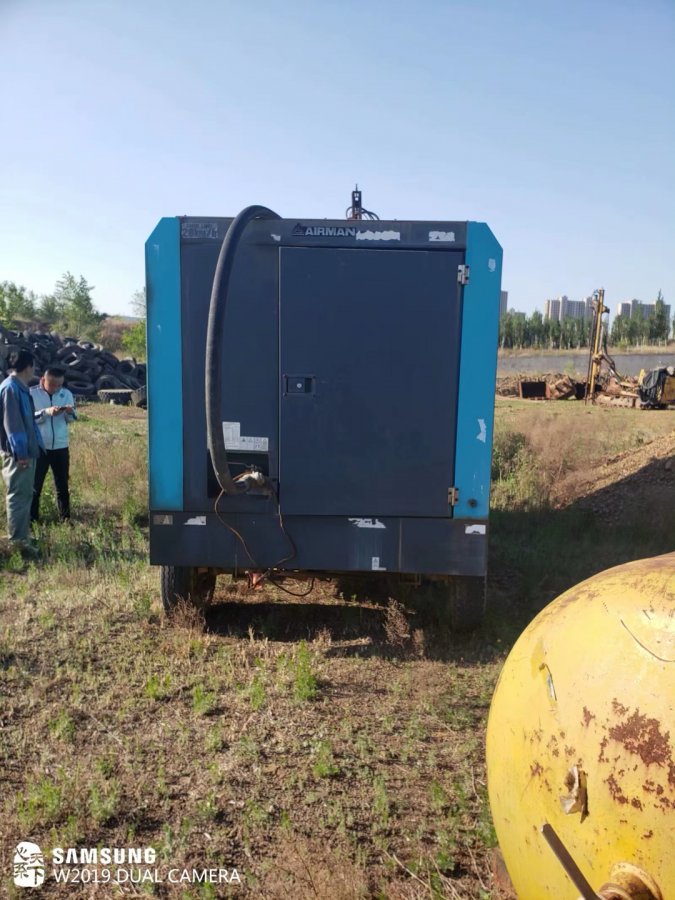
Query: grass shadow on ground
[535, 555]
[354, 629]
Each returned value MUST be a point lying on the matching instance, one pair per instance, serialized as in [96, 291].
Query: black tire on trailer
[455, 604]
[186, 584]
[461, 602]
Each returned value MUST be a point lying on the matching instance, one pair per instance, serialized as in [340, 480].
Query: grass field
[323, 748]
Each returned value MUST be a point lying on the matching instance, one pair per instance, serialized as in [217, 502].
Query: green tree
[618, 336]
[80, 316]
[659, 326]
[139, 303]
[17, 304]
[50, 310]
[536, 329]
[133, 340]
[506, 331]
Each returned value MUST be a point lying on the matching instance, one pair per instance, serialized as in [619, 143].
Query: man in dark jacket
[20, 445]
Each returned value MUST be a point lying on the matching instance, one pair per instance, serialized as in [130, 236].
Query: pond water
[626, 363]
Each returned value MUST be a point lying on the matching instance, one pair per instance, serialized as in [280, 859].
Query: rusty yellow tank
[581, 739]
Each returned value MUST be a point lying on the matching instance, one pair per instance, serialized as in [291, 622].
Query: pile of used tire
[91, 372]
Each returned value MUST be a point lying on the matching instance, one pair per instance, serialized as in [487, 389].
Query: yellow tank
[581, 738]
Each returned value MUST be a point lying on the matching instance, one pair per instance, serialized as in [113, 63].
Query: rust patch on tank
[635, 802]
[643, 737]
[536, 769]
[647, 835]
[587, 716]
[552, 746]
[619, 708]
[536, 735]
[615, 790]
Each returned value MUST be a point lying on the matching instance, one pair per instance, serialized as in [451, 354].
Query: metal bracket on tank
[628, 882]
[573, 871]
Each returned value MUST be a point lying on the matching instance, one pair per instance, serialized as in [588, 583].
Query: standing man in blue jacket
[20, 447]
[55, 410]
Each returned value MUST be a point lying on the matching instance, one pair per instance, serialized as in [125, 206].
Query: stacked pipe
[90, 371]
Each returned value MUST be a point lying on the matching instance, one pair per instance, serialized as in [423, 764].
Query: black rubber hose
[213, 381]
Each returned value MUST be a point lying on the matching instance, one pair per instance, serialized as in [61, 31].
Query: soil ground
[323, 747]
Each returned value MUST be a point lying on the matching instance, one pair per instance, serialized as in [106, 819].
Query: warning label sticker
[234, 440]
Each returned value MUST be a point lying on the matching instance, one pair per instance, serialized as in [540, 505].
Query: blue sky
[553, 122]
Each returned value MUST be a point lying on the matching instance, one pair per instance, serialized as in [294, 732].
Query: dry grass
[326, 748]
[317, 747]
[560, 438]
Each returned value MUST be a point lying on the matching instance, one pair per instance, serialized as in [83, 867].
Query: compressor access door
[369, 363]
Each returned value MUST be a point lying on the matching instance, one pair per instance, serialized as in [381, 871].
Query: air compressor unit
[320, 401]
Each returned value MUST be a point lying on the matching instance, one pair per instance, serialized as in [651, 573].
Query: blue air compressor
[320, 402]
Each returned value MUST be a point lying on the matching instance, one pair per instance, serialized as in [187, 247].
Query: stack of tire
[90, 371]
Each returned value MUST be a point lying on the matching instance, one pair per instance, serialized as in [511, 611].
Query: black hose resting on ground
[213, 381]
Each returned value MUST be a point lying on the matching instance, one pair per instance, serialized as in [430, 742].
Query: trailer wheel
[187, 584]
[461, 602]
[454, 604]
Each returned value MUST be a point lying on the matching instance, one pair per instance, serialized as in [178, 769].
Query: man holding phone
[55, 410]
[20, 446]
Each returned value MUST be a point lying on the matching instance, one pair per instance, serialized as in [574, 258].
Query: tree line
[70, 310]
[632, 331]
[520, 331]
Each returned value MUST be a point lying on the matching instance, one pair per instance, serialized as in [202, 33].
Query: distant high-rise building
[563, 308]
[503, 303]
[572, 309]
[552, 310]
[635, 309]
[589, 301]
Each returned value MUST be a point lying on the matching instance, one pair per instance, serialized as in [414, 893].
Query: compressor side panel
[477, 373]
[165, 365]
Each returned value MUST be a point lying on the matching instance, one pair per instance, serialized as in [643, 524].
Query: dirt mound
[636, 477]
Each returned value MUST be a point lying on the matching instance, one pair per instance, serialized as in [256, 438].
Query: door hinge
[453, 496]
[463, 273]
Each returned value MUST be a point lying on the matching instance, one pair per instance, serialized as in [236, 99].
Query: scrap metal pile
[654, 389]
[91, 372]
[541, 387]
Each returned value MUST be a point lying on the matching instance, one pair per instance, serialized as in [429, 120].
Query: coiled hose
[213, 381]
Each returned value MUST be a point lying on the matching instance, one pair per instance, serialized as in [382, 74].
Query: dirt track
[637, 477]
